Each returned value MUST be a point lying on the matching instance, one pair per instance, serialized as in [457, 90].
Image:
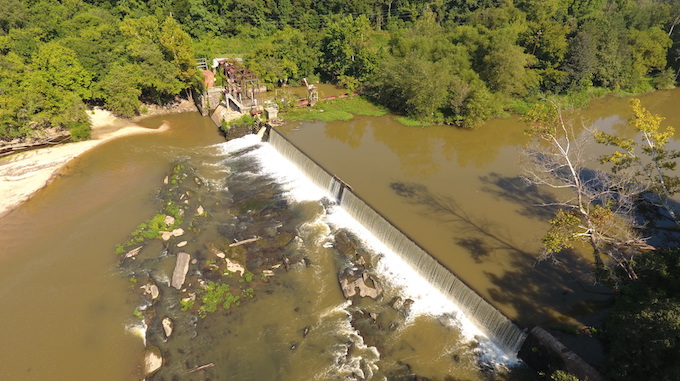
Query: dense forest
[457, 62]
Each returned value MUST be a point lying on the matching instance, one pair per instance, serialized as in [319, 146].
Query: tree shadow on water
[482, 237]
[531, 200]
[538, 292]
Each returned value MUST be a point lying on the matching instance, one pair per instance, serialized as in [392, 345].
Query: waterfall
[501, 330]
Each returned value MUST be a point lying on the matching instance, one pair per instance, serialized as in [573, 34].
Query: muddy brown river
[68, 302]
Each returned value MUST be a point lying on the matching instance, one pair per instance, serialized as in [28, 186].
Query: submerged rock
[181, 270]
[133, 252]
[214, 250]
[235, 267]
[344, 244]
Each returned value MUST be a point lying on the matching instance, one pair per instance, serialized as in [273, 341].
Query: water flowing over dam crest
[501, 330]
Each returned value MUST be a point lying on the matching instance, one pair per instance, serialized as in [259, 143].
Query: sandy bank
[23, 174]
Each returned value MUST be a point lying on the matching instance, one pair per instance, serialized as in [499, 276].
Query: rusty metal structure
[241, 85]
[312, 92]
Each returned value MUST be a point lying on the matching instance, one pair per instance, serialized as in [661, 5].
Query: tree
[649, 49]
[506, 69]
[60, 67]
[162, 54]
[612, 52]
[23, 42]
[197, 18]
[13, 14]
[345, 50]
[13, 117]
[121, 89]
[288, 57]
[599, 211]
[176, 45]
[408, 85]
[581, 61]
[94, 35]
[652, 167]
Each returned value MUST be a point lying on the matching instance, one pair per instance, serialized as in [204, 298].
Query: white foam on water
[236, 145]
[427, 300]
[295, 183]
[357, 364]
[138, 330]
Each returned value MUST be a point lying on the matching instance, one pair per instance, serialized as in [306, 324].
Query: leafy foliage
[215, 295]
[653, 166]
[643, 328]
[457, 62]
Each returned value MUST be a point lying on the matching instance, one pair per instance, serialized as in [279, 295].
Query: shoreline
[23, 174]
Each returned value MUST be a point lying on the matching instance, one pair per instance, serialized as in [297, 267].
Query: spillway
[501, 330]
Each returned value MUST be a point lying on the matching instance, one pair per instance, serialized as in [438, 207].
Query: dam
[501, 330]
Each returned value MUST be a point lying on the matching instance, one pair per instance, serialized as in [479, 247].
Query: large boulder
[153, 360]
[349, 287]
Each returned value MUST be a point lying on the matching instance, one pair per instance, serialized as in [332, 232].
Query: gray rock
[167, 326]
[151, 289]
[349, 288]
[181, 270]
[169, 220]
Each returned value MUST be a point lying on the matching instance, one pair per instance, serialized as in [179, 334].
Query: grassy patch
[410, 122]
[342, 109]
[520, 106]
[582, 98]
[245, 120]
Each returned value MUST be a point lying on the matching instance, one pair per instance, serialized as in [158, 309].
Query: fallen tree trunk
[17, 148]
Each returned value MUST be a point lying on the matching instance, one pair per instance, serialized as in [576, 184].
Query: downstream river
[72, 307]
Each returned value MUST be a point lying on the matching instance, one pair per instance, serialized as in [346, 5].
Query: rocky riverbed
[212, 250]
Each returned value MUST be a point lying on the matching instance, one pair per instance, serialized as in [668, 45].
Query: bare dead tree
[593, 207]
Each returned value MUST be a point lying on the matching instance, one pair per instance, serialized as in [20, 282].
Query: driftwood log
[239, 243]
[209, 365]
[17, 148]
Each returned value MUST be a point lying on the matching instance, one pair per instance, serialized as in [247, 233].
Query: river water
[69, 302]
